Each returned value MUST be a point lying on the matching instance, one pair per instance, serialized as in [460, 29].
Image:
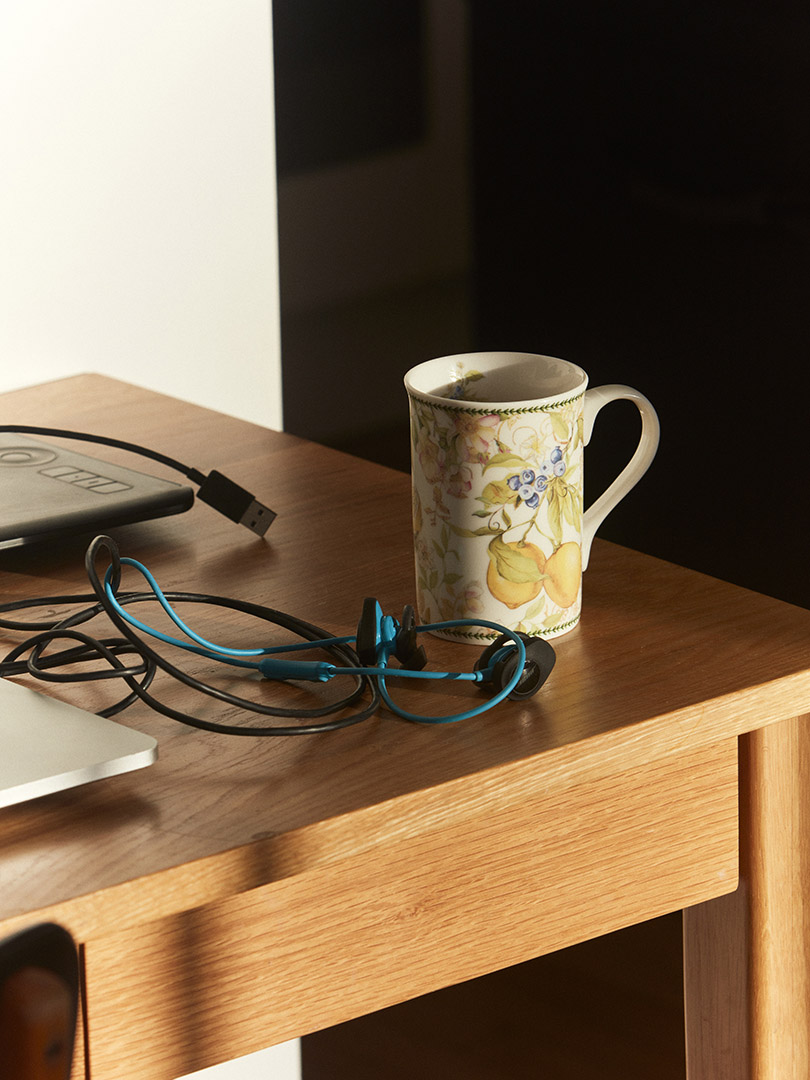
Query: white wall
[138, 198]
[138, 215]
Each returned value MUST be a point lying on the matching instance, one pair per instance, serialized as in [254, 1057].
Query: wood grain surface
[454, 901]
[748, 954]
[666, 666]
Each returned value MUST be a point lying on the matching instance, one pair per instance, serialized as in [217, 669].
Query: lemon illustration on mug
[518, 578]
[497, 444]
[559, 575]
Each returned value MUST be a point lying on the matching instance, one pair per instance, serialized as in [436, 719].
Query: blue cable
[320, 671]
[477, 710]
[208, 648]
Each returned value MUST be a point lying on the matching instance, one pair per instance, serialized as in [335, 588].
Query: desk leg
[747, 956]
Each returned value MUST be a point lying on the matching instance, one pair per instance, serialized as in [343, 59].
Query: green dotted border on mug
[481, 411]
[492, 636]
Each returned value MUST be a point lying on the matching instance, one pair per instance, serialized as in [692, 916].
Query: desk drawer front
[385, 925]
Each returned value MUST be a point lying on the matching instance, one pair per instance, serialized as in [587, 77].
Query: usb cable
[225, 496]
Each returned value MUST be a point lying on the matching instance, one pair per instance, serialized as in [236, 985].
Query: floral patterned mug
[497, 465]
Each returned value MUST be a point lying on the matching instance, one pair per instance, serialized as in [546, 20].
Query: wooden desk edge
[237, 870]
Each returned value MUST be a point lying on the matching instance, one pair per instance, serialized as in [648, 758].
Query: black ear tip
[410, 654]
[368, 632]
[486, 656]
[540, 659]
[541, 653]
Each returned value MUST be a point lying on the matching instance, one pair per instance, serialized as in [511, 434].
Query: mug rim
[512, 406]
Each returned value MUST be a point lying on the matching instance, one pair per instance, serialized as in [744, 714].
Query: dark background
[637, 202]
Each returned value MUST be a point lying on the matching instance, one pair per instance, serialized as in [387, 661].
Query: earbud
[380, 636]
[501, 658]
[410, 655]
[514, 665]
[368, 632]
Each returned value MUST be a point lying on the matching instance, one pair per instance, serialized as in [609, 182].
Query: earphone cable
[503, 664]
[278, 618]
[44, 665]
[39, 664]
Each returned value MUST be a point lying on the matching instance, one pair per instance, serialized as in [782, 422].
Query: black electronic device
[48, 492]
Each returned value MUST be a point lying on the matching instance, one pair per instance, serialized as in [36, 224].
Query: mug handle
[633, 471]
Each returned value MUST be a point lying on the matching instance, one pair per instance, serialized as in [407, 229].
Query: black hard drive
[48, 492]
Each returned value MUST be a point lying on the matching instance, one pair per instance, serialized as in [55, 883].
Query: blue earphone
[513, 666]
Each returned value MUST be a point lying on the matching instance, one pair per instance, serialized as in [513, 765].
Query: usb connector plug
[235, 503]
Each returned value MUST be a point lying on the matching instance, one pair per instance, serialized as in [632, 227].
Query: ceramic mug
[497, 445]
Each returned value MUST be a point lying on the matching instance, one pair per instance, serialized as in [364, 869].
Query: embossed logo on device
[80, 478]
[26, 455]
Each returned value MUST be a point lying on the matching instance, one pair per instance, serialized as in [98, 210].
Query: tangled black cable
[139, 675]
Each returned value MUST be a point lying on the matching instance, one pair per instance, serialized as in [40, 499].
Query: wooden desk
[241, 892]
